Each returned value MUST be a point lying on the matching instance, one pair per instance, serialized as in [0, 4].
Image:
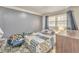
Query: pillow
[16, 40]
[16, 36]
[1, 33]
[50, 32]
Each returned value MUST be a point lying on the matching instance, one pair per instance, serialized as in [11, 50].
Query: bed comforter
[40, 43]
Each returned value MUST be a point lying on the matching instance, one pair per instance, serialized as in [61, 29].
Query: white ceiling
[43, 9]
[39, 10]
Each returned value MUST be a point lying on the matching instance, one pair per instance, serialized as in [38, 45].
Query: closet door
[59, 44]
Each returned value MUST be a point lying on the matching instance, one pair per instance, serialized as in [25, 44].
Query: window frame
[57, 21]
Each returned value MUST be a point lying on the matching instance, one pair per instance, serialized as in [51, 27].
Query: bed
[40, 42]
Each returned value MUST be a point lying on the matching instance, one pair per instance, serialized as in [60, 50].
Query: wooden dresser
[67, 42]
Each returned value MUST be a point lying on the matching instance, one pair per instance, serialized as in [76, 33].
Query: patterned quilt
[40, 42]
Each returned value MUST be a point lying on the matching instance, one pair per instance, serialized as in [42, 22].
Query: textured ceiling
[43, 9]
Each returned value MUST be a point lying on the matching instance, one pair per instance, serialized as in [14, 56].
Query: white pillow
[1, 33]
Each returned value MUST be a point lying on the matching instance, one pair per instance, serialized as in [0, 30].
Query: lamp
[60, 29]
[1, 33]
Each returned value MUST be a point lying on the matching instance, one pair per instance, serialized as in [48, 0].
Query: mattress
[40, 43]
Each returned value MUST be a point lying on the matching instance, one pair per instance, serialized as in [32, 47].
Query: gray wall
[13, 21]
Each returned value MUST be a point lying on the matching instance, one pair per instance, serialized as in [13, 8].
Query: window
[57, 21]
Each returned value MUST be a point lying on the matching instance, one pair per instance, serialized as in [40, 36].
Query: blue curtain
[71, 23]
[46, 22]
